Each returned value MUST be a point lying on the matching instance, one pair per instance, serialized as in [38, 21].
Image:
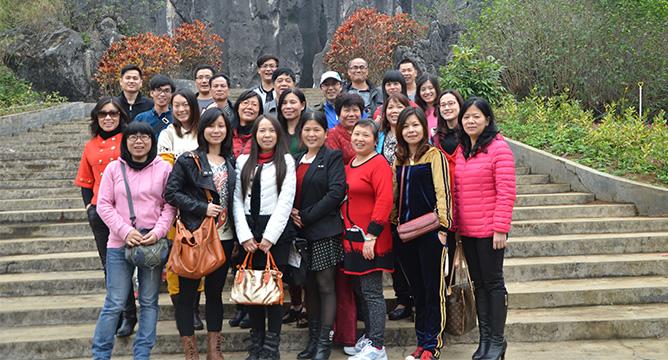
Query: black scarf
[152, 153]
[106, 135]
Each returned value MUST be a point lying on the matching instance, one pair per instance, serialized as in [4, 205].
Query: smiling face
[266, 70]
[394, 107]
[249, 110]
[131, 82]
[181, 109]
[220, 89]
[266, 136]
[428, 93]
[349, 116]
[362, 140]
[215, 133]
[474, 123]
[108, 117]
[292, 107]
[358, 70]
[392, 87]
[449, 107]
[139, 145]
[283, 82]
[313, 135]
[161, 96]
[408, 71]
[330, 89]
[413, 132]
[202, 81]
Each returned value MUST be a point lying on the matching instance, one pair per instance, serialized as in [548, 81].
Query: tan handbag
[258, 287]
[418, 226]
[460, 308]
[198, 253]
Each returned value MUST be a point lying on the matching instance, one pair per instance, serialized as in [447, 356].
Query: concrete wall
[23, 122]
[649, 200]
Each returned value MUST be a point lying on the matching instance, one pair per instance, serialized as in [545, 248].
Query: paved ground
[624, 349]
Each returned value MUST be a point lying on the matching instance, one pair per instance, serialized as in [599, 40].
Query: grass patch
[17, 96]
[619, 143]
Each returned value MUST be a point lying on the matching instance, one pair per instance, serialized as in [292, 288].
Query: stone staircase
[576, 269]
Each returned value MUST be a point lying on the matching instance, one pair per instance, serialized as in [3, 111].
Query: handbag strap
[459, 253]
[208, 193]
[348, 206]
[401, 193]
[133, 218]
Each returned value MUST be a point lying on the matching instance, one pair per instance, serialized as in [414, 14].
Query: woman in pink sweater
[484, 199]
[146, 175]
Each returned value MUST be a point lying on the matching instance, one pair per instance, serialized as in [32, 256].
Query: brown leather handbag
[258, 287]
[460, 308]
[198, 253]
[418, 226]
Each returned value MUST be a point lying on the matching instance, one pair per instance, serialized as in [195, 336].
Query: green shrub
[16, 95]
[599, 50]
[16, 13]
[472, 75]
[619, 142]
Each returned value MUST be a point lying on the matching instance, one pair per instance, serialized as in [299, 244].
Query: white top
[169, 142]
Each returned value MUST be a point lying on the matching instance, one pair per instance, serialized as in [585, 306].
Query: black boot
[236, 320]
[197, 322]
[245, 322]
[128, 317]
[270, 348]
[482, 309]
[498, 309]
[313, 331]
[257, 340]
[324, 348]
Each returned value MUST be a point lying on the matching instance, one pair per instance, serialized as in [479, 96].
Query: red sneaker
[415, 355]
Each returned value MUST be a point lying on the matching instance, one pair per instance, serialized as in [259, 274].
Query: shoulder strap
[208, 193]
[401, 193]
[133, 218]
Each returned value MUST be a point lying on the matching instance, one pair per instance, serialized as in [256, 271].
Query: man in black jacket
[131, 99]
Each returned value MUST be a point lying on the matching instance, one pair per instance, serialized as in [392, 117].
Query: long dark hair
[442, 128]
[421, 81]
[302, 100]
[385, 126]
[278, 159]
[487, 135]
[194, 112]
[95, 129]
[208, 118]
[402, 152]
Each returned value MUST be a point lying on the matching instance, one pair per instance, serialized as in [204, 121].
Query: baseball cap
[330, 75]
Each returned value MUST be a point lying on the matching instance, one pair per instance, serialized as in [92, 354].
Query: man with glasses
[162, 87]
[202, 75]
[266, 65]
[358, 71]
[330, 85]
[132, 101]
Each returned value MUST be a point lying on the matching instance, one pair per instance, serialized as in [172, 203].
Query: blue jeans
[119, 275]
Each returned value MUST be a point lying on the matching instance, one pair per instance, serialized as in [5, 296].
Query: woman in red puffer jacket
[484, 199]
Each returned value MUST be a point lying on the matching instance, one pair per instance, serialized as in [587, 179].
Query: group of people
[343, 175]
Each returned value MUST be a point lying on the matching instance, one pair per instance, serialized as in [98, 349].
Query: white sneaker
[370, 353]
[361, 343]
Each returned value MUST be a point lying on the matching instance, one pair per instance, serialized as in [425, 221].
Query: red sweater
[338, 138]
[485, 191]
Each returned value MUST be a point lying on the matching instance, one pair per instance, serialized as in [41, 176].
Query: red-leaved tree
[374, 37]
[196, 46]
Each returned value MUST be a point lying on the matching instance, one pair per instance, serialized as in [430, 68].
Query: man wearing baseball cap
[330, 84]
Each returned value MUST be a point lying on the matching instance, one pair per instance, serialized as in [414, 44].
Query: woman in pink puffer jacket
[484, 199]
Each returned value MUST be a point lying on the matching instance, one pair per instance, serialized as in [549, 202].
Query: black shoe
[482, 310]
[324, 348]
[269, 349]
[197, 322]
[291, 316]
[302, 320]
[245, 322]
[313, 334]
[400, 313]
[236, 320]
[127, 326]
[498, 309]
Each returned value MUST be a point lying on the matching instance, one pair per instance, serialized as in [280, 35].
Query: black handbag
[296, 276]
[145, 256]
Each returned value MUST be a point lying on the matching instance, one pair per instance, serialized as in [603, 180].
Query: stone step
[47, 245]
[573, 211]
[69, 153]
[40, 166]
[43, 230]
[42, 176]
[585, 266]
[37, 183]
[522, 170]
[532, 179]
[42, 204]
[543, 189]
[586, 244]
[43, 215]
[532, 325]
[37, 263]
[52, 283]
[588, 226]
[570, 198]
[40, 193]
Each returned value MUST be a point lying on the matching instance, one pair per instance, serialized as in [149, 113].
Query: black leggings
[321, 296]
[213, 288]
[485, 263]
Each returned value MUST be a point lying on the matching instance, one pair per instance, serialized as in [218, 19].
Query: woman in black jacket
[321, 182]
[185, 191]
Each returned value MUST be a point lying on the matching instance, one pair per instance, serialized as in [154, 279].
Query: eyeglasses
[332, 84]
[360, 67]
[114, 114]
[268, 66]
[142, 137]
[450, 103]
[203, 77]
[163, 91]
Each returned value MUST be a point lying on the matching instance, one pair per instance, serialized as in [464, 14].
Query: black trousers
[485, 263]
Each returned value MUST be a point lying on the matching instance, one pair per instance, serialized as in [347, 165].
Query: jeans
[119, 278]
